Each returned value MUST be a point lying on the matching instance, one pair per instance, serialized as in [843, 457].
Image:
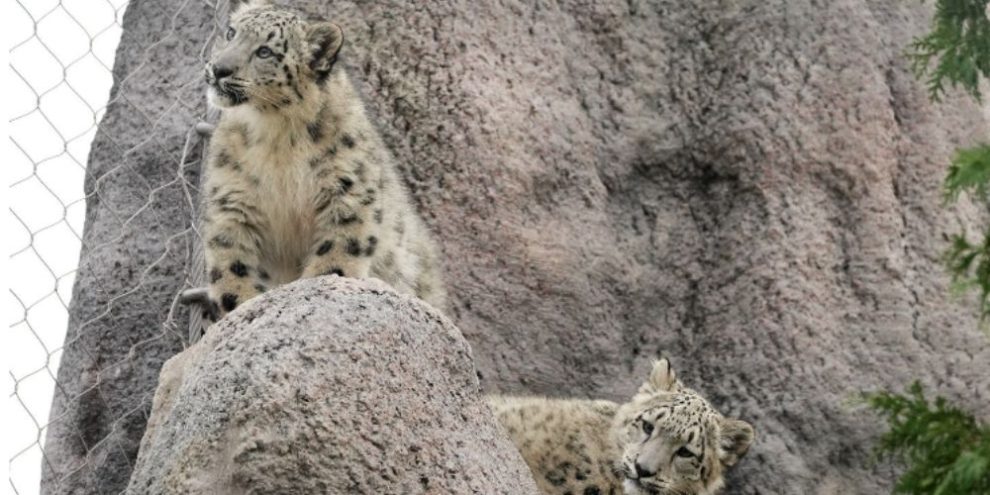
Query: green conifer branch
[956, 51]
[946, 449]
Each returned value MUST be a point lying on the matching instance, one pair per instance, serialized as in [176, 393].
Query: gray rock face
[750, 187]
[326, 385]
[124, 319]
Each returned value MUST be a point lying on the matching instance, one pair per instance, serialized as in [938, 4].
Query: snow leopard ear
[325, 40]
[662, 378]
[736, 437]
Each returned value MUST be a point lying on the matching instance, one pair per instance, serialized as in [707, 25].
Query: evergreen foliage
[969, 172]
[946, 450]
[960, 45]
[969, 263]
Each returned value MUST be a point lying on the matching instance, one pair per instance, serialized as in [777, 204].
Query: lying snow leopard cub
[667, 440]
[298, 181]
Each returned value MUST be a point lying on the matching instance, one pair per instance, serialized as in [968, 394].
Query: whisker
[256, 94]
[261, 97]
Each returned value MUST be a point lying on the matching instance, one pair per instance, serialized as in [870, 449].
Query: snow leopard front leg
[347, 233]
[232, 233]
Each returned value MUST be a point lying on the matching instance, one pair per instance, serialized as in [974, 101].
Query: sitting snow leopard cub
[298, 181]
[667, 440]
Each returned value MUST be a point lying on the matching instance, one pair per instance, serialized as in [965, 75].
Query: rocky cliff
[749, 187]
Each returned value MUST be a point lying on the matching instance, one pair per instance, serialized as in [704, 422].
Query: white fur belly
[285, 199]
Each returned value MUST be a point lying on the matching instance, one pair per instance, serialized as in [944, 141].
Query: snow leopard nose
[222, 71]
[642, 472]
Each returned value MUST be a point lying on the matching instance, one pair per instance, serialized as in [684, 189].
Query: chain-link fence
[61, 69]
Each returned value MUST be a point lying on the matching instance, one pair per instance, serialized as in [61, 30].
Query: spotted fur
[299, 183]
[667, 440]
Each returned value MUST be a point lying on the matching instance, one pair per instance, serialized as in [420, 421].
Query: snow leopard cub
[667, 440]
[298, 181]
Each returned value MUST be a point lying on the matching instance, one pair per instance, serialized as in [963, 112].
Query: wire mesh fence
[61, 67]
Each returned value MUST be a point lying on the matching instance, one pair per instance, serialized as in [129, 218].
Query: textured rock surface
[751, 187]
[326, 386]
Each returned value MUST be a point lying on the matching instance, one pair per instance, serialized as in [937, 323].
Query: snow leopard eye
[264, 52]
[647, 428]
[230, 34]
[684, 452]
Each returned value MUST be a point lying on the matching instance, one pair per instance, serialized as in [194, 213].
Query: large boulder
[327, 385]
